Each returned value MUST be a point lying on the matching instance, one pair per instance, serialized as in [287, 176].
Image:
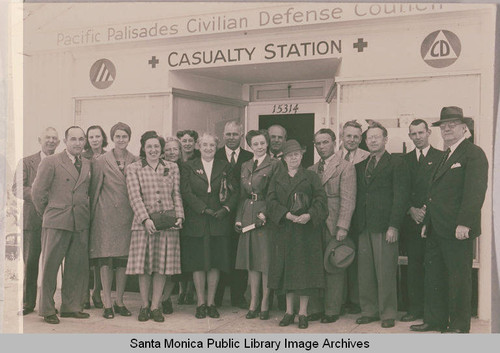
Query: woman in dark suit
[297, 205]
[153, 186]
[111, 218]
[254, 246]
[209, 194]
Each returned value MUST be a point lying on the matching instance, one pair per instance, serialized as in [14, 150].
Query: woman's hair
[120, 126]
[103, 134]
[174, 139]
[206, 135]
[191, 133]
[252, 133]
[151, 135]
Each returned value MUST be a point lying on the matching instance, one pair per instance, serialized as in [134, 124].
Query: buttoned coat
[152, 190]
[27, 169]
[339, 181]
[111, 213]
[194, 186]
[61, 195]
[383, 201]
[457, 192]
[297, 255]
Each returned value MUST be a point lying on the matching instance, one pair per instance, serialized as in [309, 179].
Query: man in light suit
[32, 223]
[453, 221]
[60, 194]
[338, 177]
[422, 163]
[351, 152]
[236, 156]
[381, 203]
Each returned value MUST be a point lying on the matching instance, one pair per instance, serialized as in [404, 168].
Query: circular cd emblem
[440, 48]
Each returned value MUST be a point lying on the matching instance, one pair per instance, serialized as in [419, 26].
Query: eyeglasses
[450, 125]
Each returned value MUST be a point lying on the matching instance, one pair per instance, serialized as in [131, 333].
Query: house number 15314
[287, 108]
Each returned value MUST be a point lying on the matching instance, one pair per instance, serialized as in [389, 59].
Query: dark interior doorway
[299, 127]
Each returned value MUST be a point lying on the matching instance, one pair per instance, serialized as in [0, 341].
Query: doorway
[299, 127]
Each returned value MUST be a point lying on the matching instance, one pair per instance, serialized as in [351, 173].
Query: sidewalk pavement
[232, 320]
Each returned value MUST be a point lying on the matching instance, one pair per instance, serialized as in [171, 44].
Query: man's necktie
[233, 160]
[254, 165]
[443, 160]
[421, 157]
[321, 166]
[347, 156]
[78, 164]
[369, 169]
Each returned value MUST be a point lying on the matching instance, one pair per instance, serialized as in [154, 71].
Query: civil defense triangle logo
[440, 48]
[102, 73]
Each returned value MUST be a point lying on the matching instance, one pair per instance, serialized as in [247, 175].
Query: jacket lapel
[68, 165]
[111, 161]
[459, 151]
[330, 169]
[217, 169]
[84, 172]
[35, 161]
[199, 170]
[296, 180]
[265, 163]
[381, 165]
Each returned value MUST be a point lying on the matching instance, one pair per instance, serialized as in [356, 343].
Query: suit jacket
[27, 167]
[61, 195]
[457, 192]
[339, 181]
[110, 210]
[194, 185]
[359, 156]
[242, 157]
[153, 191]
[382, 202]
[421, 174]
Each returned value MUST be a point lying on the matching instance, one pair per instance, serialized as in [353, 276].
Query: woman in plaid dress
[153, 185]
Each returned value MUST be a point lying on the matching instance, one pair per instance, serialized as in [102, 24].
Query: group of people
[327, 234]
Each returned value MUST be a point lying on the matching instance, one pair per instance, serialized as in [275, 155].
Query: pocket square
[456, 165]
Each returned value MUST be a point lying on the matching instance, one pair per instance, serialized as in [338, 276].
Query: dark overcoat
[194, 185]
[297, 257]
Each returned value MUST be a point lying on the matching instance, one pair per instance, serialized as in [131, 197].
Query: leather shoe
[426, 327]
[108, 313]
[212, 312]
[326, 319]
[366, 319]
[456, 330]
[97, 301]
[264, 315]
[122, 310]
[314, 316]
[157, 316]
[51, 319]
[27, 311]
[167, 306]
[303, 323]
[144, 314]
[387, 323]
[75, 315]
[410, 317]
[201, 311]
[287, 320]
[252, 314]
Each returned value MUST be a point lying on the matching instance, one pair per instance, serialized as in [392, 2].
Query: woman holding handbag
[254, 246]
[297, 206]
[209, 194]
[154, 190]
[111, 218]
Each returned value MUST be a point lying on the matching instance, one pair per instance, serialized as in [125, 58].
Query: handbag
[164, 219]
[300, 204]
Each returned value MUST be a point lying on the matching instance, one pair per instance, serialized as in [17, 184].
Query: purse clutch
[163, 220]
[300, 204]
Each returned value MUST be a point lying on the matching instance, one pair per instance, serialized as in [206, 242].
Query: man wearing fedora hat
[381, 202]
[338, 178]
[452, 222]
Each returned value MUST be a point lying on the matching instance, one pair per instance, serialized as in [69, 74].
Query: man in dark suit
[277, 138]
[60, 194]
[32, 223]
[452, 222]
[421, 162]
[236, 156]
[381, 202]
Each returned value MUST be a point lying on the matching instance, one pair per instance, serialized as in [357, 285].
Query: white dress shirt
[208, 171]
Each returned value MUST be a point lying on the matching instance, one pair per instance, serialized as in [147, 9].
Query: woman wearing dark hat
[154, 190]
[209, 192]
[111, 218]
[297, 205]
[254, 246]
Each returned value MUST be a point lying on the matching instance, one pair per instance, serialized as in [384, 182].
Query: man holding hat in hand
[452, 221]
[338, 178]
